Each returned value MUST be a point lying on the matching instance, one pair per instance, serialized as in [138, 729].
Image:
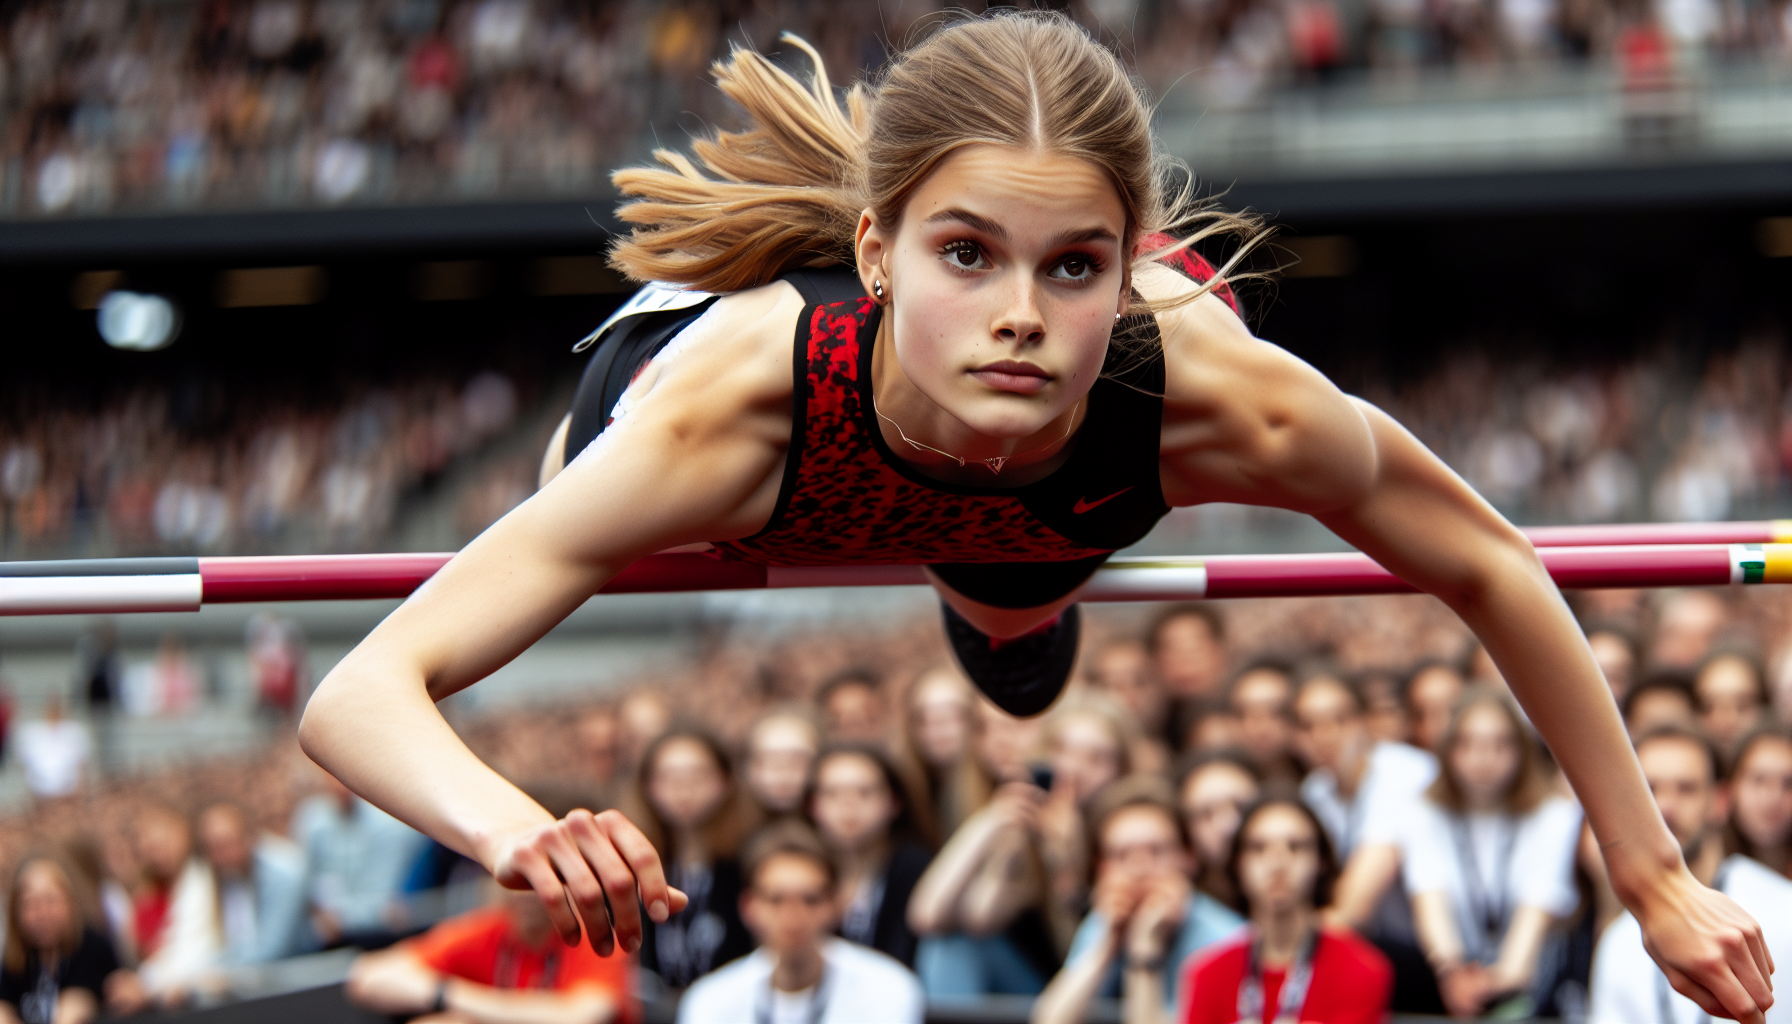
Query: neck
[691, 847]
[1707, 858]
[855, 865]
[1282, 931]
[908, 419]
[797, 969]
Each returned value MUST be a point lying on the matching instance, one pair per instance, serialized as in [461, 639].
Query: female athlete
[1007, 379]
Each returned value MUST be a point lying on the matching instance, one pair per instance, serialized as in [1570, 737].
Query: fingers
[1717, 992]
[569, 857]
[617, 879]
[1763, 960]
[533, 865]
[644, 863]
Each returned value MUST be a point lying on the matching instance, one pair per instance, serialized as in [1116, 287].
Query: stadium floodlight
[141, 323]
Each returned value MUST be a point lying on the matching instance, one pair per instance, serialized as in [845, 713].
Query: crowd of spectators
[1546, 444]
[163, 470]
[1236, 812]
[254, 103]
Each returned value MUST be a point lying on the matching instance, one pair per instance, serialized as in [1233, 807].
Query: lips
[1013, 376]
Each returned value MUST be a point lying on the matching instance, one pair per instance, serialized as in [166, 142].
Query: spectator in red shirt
[1286, 967]
[500, 963]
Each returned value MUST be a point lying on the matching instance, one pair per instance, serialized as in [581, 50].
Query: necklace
[995, 462]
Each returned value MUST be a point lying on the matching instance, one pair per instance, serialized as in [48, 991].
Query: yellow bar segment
[1781, 531]
[1779, 561]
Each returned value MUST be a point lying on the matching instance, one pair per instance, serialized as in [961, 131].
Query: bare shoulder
[1247, 421]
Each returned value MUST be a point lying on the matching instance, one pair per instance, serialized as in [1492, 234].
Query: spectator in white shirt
[1628, 988]
[1364, 791]
[800, 974]
[1761, 798]
[54, 752]
[1489, 860]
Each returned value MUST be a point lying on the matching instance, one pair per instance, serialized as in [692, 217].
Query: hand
[1115, 898]
[124, 993]
[1465, 988]
[574, 863]
[1159, 915]
[1710, 949]
[328, 927]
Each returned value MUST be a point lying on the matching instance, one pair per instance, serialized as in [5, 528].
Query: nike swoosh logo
[1084, 504]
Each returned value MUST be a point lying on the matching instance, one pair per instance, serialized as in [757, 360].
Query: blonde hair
[787, 192]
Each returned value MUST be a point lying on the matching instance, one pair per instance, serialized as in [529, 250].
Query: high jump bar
[123, 585]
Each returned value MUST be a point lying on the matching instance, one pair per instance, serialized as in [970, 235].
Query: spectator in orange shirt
[500, 963]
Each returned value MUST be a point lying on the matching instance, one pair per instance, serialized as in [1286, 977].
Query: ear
[873, 245]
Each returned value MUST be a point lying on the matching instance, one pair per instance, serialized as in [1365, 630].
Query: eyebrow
[989, 227]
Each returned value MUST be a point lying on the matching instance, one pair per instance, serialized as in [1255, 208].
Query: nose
[1021, 322]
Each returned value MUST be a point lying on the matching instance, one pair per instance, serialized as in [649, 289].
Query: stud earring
[877, 289]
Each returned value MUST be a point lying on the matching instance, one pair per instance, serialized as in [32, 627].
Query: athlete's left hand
[1711, 950]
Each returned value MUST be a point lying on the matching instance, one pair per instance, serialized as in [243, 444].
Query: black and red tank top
[846, 498]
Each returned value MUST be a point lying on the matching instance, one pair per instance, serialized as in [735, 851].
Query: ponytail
[785, 193]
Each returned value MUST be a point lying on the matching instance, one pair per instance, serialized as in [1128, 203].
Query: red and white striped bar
[183, 584]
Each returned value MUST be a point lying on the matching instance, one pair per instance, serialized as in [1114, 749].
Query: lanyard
[1664, 1004]
[1293, 995]
[818, 1003]
[1487, 902]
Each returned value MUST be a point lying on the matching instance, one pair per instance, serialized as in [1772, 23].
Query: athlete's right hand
[590, 867]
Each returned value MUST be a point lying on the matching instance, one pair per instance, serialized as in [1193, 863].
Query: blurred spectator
[1682, 769]
[1364, 793]
[1188, 644]
[6, 710]
[1617, 655]
[1123, 670]
[175, 910]
[982, 909]
[852, 708]
[1004, 744]
[860, 809]
[357, 858]
[55, 753]
[1384, 710]
[99, 674]
[1262, 696]
[1489, 859]
[644, 717]
[496, 965]
[1732, 698]
[1213, 791]
[1287, 965]
[1685, 626]
[1431, 693]
[1145, 915]
[781, 748]
[685, 801]
[1761, 794]
[260, 887]
[1207, 724]
[277, 664]
[600, 740]
[792, 902]
[176, 680]
[940, 738]
[57, 967]
[1661, 698]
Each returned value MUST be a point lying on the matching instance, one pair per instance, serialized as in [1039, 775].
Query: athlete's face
[1004, 277]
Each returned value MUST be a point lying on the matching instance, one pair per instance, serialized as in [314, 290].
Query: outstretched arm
[1246, 422]
[698, 459]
